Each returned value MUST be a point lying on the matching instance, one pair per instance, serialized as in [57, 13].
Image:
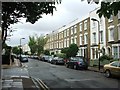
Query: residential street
[58, 76]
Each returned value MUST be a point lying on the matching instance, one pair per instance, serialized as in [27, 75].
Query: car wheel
[55, 63]
[75, 67]
[67, 65]
[107, 73]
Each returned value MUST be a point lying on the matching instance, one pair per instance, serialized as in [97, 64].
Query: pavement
[95, 69]
[16, 63]
[16, 77]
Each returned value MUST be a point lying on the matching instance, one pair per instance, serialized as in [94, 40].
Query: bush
[62, 55]
[105, 57]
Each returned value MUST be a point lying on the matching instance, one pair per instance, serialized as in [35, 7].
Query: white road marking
[73, 80]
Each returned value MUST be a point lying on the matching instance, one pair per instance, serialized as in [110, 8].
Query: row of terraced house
[90, 34]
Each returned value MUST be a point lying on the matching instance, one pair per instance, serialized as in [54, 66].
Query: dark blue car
[78, 62]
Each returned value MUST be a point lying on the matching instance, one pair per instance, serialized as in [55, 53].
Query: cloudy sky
[67, 11]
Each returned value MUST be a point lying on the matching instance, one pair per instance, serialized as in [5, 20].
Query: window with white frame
[85, 25]
[94, 38]
[101, 36]
[62, 44]
[80, 25]
[111, 34]
[59, 36]
[67, 42]
[85, 38]
[81, 52]
[72, 30]
[118, 14]
[75, 40]
[67, 32]
[57, 44]
[110, 19]
[62, 34]
[93, 24]
[119, 32]
[81, 39]
[101, 21]
[72, 40]
[115, 52]
[75, 29]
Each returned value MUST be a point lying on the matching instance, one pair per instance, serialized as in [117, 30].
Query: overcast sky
[67, 11]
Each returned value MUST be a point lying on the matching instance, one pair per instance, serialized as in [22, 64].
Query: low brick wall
[6, 59]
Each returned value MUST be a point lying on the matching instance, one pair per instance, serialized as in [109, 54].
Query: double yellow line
[40, 84]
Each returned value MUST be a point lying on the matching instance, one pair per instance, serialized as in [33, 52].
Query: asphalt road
[58, 76]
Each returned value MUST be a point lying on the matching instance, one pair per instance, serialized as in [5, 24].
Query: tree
[4, 45]
[64, 50]
[37, 43]
[16, 50]
[41, 41]
[32, 11]
[108, 7]
[32, 44]
[72, 50]
[46, 52]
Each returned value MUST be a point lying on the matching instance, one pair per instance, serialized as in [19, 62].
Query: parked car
[45, 58]
[112, 68]
[78, 62]
[50, 58]
[57, 60]
[35, 57]
[23, 58]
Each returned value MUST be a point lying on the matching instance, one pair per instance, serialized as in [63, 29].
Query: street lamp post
[98, 41]
[20, 47]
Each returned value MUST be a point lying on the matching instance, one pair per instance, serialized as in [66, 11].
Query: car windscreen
[77, 59]
[60, 58]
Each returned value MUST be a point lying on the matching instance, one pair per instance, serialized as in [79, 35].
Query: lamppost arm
[98, 40]
[20, 47]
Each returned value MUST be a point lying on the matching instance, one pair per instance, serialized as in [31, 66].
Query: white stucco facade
[97, 34]
[26, 48]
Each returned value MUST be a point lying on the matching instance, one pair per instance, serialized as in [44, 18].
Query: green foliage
[72, 50]
[32, 44]
[32, 11]
[105, 57]
[7, 50]
[37, 44]
[52, 53]
[108, 7]
[40, 42]
[64, 50]
[4, 45]
[61, 55]
[47, 52]
[16, 50]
